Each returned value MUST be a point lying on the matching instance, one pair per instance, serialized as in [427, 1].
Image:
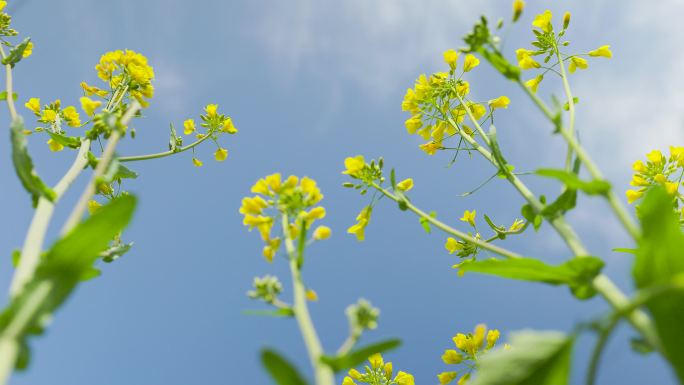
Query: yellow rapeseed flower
[404, 378]
[566, 20]
[500, 102]
[90, 90]
[311, 295]
[430, 148]
[469, 216]
[577, 62]
[527, 63]
[54, 145]
[348, 381]
[633, 195]
[533, 84]
[28, 51]
[452, 245]
[470, 62]
[602, 51]
[221, 154]
[446, 377]
[463, 88]
[655, 156]
[543, 21]
[254, 205]
[89, 106]
[321, 233]
[3, 4]
[49, 115]
[228, 126]
[210, 109]
[197, 162]
[33, 104]
[492, 336]
[518, 6]
[71, 116]
[189, 126]
[452, 357]
[376, 361]
[354, 164]
[450, 57]
[405, 185]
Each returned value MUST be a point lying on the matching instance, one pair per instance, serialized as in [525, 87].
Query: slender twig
[570, 129]
[448, 229]
[164, 153]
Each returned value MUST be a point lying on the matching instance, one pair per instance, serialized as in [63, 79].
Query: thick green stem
[9, 87]
[102, 165]
[322, 372]
[35, 237]
[9, 339]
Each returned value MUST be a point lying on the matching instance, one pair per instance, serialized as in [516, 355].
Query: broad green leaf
[570, 179]
[659, 259]
[577, 273]
[282, 312]
[358, 356]
[69, 261]
[16, 53]
[536, 358]
[281, 370]
[68, 141]
[23, 164]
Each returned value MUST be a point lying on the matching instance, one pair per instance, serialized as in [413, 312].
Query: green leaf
[281, 312]
[570, 179]
[23, 164]
[659, 259]
[281, 370]
[425, 223]
[68, 141]
[358, 356]
[16, 53]
[3, 95]
[537, 358]
[577, 273]
[68, 262]
[566, 201]
[528, 213]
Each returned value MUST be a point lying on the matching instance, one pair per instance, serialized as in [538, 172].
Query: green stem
[571, 110]
[102, 165]
[9, 339]
[9, 87]
[165, 153]
[640, 298]
[35, 237]
[322, 372]
[448, 229]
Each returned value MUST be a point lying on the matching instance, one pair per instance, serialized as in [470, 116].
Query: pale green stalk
[571, 111]
[102, 165]
[9, 87]
[614, 202]
[35, 237]
[323, 374]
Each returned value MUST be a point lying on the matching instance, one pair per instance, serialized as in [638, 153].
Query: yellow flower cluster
[548, 43]
[468, 348]
[666, 171]
[436, 111]
[293, 197]
[128, 70]
[378, 373]
[54, 115]
[215, 123]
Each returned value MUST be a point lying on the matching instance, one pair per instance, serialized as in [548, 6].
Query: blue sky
[309, 82]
